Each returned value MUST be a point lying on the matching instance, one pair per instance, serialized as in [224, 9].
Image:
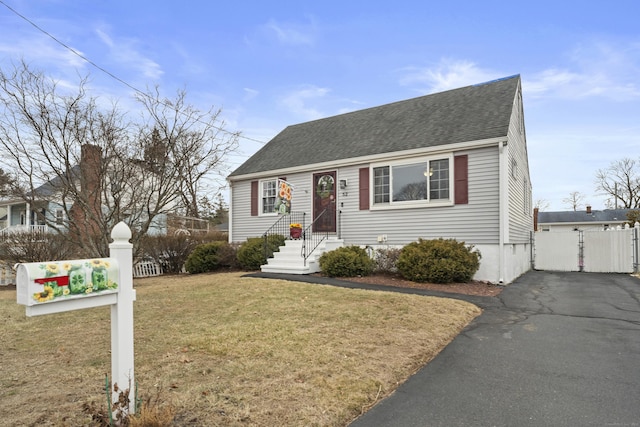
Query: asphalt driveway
[553, 349]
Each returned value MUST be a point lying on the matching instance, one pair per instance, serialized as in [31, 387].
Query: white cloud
[448, 74]
[595, 69]
[188, 64]
[292, 34]
[250, 94]
[125, 52]
[43, 50]
[297, 101]
[557, 83]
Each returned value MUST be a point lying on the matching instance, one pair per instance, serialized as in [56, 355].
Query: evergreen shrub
[251, 254]
[347, 261]
[438, 261]
[210, 257]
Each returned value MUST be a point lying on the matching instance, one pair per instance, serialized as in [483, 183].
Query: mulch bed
[471, 288]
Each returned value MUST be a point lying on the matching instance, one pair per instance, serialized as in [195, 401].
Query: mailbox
[44, 283]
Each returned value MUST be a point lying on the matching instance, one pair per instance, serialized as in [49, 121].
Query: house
[51, 204]
[16, 214]
[582, 220]
[447, 165]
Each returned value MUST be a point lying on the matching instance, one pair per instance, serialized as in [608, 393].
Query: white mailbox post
[122, 313]
[58, 286]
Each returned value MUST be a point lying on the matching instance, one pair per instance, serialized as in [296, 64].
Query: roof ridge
[497, 80]
[415, 98]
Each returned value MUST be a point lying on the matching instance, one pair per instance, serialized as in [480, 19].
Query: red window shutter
[461, 178]
[254, 198]
[364, 188]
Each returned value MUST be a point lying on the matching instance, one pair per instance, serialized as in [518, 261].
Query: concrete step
[289, 258]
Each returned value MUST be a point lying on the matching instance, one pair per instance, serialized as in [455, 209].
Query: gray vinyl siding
[520, 192]
[475, 223]
[245, 226]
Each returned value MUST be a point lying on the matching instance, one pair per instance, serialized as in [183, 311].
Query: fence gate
[557, 251]
[609, 251]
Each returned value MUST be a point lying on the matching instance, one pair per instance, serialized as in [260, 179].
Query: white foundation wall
[517, 259]
[489, 270]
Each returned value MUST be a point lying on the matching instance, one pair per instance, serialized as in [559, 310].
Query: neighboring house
[585, 220]
[448, 165]
[48, 209]
[18, 215]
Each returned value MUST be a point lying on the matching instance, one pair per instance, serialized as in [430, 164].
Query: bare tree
[5, 183]
[185, 144]
[542, 204]
[574, 201]
[621, 183]
[97, 166]
[41, 132]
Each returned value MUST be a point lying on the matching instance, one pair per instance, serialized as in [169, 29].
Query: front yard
[221, 349]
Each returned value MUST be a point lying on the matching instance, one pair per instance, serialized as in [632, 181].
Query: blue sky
[272, 64]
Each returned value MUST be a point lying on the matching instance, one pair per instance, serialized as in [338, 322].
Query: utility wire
[107, 72]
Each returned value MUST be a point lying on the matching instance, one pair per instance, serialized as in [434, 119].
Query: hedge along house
[446, 165]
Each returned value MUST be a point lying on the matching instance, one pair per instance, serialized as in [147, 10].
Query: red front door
[324, 202]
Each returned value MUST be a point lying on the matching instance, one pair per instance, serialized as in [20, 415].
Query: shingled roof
[577, 217]
[467, 114]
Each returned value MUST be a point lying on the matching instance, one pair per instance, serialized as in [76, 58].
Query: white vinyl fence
[7, 275]
[608, 251]
[146, 269]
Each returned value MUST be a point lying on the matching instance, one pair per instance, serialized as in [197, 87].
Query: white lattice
[147, 269]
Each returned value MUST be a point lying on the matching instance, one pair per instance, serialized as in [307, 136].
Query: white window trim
[391, 205]
[261, 194]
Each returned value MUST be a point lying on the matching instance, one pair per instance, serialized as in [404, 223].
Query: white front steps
[289, 259]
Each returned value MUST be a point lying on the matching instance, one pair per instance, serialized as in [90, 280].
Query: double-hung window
[59, 216]
[268, 190]
[416, 182]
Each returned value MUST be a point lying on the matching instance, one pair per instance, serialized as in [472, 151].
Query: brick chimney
[87, 210]
[588, 209]
[535, 218]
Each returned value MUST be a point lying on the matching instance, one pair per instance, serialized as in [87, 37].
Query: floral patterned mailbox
[48, 282]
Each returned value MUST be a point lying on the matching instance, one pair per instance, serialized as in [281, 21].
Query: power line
[110, 74]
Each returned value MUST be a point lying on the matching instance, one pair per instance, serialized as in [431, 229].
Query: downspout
[503, 206]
